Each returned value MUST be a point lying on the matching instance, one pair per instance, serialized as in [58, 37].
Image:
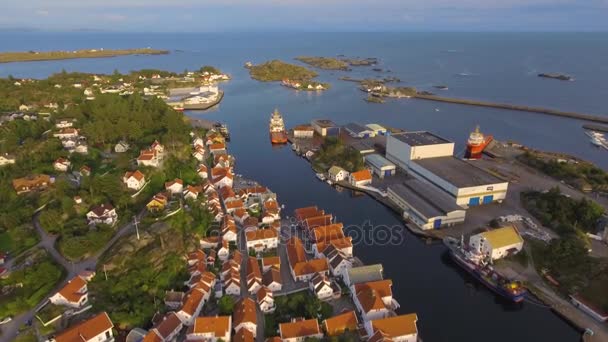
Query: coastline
[19, 57]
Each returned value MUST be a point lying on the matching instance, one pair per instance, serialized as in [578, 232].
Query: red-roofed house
[96, 329]
[360, 178]
[73, 294]
[134, 180]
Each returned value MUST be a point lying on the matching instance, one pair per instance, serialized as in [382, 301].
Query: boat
[476, 144]
[277, 128]
[475, 265]
[223, 129]
[321, 176]
[597, 138]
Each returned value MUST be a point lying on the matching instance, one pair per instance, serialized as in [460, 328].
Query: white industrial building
[358, 131]
[430, 158]
[497, 243]
[426, 206]
[380, 166]
[377, 129]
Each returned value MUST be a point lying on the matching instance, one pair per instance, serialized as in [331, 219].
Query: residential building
[6, 159]
[191, 192]
[85, 171]
[425, 206]
[61, 164]
[66, 133]
[64, 123]
[271, 262]
[202, 171]
[149, 157]
[497, 243]
[192, 306]
[211, 329]
[298, 331]
[244, 315]
[262, 239]
[265, 299]
[74, 294]
[243, 335]
[104, 213]
[134, 179]
[360, 178]
[339, 324]
[175, 187]
[174, 299]
[374, 299]
[337, 174]
[272, 279]
[166, 330]
[254, 275]
[121, 147]
[321, 287]
[157, 203]
[97, 329]
[400, 328]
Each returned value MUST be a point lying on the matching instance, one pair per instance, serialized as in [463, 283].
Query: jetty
[540, 110]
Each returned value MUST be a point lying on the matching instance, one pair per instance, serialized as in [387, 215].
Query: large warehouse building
[426, 206]
[430, 158]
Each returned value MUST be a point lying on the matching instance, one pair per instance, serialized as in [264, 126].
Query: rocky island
[31, 56]
[560, 77]
[290, 75]
[326, 63]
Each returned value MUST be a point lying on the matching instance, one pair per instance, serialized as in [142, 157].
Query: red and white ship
[277, 128]
[476, 144]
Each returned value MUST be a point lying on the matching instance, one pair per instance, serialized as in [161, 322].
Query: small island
[560, 77]
[326, 63]
[31, 56]
[290, 75]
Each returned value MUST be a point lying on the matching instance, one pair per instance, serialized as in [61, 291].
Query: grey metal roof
[356, 128]
[325, 123]
[362, 146]
[425, 198]
[378, 161]
[363, 274]
[458, 172]
[420, 138]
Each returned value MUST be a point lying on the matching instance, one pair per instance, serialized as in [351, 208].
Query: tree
[226, 305]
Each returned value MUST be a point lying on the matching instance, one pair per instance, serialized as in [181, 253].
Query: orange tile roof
[135, 174]
[152, 336]
[70, 290]
[86, 330]
[382, 286]
[244, 311]
[370, 294]
[304, 213]
[305, 328]
[219, 325]
[397, 326]
[253, 268]
[344, 242]
[271, 276]
[316, 221]
[169, 324]
[243, 335]
[192, 302]
[234, 204]
[361, 175]
[175, 181]
[311, 266]
[271, 261]
[329, 232]
[217, 146]
[274, 339]
[336, 325]
[295, 251]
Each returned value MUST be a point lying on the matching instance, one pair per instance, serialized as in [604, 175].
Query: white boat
[321, 176]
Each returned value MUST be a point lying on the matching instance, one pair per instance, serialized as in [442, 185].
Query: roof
[502, 237]
[382, 287]
[356, 128]
[219, 325]
[424, 198]
[261, 234]
[169, 324]
[375, 127]
[174, 296]
[306, 212]
[192, 302]
[271, 276]
[271, 260]
[311, 266]
[339, 243]
[362, 146]
[101, 209]
[31, 181]
[365, 273]
[323, 123]
[303, 128]
[263, 293]
[316, 221]
[304, 328]
[243, 335]
[378, 161]
[244, 311]
[295, 251]
[396, 326]
[135, 174]
[362, 175]
[336, 325]
[86, 330]
[334, 170]
[175, 181]
[458, 172]
[420, 138]
[253, 268]
[329, 232]
[71, 290]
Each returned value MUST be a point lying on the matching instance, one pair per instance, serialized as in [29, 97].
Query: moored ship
[476, 144]
[277, 128]
[483, 272]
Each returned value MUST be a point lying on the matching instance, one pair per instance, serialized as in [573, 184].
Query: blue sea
[500, 67]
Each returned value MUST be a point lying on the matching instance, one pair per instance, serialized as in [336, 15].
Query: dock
[539, 110]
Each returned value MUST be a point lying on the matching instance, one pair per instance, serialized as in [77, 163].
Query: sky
[305, 15]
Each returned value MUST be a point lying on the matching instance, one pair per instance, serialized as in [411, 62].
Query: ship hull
[475, 151]
[278, 138]
[475, 272]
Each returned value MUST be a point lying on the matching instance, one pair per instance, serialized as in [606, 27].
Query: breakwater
[540, 110]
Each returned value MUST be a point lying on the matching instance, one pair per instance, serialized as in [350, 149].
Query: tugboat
[476, 144]
[475, 265]
[277, 128]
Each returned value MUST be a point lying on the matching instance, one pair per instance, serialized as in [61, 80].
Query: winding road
[47, 241]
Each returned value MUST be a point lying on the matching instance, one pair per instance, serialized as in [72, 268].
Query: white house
[211, 329]
[497, 243]
[272, 279]
[104, 213]
[337, 174]
[244, 315]
[360, 178]
[265, 300]
[175, 186]
[321, 287]
[6, 159]
[134, 180]
[96, 329]
[400, 328]
[61, 164]
[65, 133]
[298, 331]
[167, 330]
[262, 239]
[374, 299]
[121, 147]
[192, 306]
[199, 154]
[64, 123]
[74, 294]
[202, 171]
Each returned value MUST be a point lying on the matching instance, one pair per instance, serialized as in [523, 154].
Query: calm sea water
[502, 67]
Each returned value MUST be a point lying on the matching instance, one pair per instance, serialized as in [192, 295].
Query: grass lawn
[18, 239]
[26, 335]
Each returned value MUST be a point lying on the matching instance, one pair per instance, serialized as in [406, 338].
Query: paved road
[47, 241]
